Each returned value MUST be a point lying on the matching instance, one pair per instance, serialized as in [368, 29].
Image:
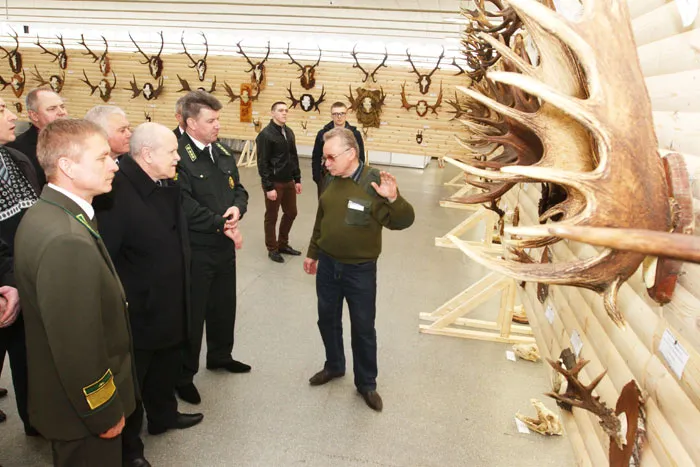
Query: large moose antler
[105, 66]
[154, 62]
[598, 138]
[307, 72]
[14, 57]
[201, 64]
[367, 74]
[257, 68]
[424, 80]
[55, 82]
[60, 56]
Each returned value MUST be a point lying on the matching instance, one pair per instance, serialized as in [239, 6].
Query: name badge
[355, 206]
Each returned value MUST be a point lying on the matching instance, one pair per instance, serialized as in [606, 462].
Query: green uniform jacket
[208, 190]
[81, 374]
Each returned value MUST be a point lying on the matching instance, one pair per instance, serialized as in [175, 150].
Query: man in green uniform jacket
[214, 201]
[81, 375]
[357, 203]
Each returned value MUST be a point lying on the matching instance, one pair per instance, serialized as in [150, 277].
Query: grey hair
[100, 114]
[345, 136]
[32, 99]
[178, 105]
[146, 135]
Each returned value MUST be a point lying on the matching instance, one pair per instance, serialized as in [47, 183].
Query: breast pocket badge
[231, 183]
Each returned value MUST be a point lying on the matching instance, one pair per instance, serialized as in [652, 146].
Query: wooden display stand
[448, 319]
[249, 155]
[490, 219]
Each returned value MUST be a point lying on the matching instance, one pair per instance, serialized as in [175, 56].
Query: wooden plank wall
[397, 133]
[669, 57]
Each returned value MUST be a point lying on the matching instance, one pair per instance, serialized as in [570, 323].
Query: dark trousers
[357, 284]
[12, 343]
[158, 371]
[287, 198]
[214, 301]
[88, 452]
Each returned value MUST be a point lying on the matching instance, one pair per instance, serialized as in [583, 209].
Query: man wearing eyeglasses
[339, 120]
[356, 204]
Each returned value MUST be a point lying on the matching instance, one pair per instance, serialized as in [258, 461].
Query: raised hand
[387, 187]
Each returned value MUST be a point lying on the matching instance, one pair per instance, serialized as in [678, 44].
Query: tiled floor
[448, 401]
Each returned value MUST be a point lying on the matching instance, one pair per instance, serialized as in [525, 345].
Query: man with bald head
[113, 121]
[43, 107]
[144, 228]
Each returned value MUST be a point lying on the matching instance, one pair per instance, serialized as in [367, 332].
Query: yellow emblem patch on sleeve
[177, 175]
[231, 183]
[101, 391]
[223, 148]
[190, 152]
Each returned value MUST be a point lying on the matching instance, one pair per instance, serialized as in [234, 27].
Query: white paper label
[383, 123]
[688, 9]
[549, 314]
[270, 84]
[576, 342]
[312, 117]
[426, 126]
[255, 112]
[674, 353]
[522, 428]
[355, 206]
[510, 355]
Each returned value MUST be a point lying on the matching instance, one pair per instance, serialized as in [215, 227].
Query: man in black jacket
[278, 166]
[214, 201]
[339, 113]
[144, 229]
[19, 193]
[43, 107]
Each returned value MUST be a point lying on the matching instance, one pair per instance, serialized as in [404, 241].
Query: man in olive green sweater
[347, 239]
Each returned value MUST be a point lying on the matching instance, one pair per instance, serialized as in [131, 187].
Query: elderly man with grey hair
[145, 231]
[113, 121]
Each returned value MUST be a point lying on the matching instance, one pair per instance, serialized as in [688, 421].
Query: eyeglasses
[338, 114]
[333, 157]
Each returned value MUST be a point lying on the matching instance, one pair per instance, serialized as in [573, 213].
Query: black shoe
[3, 417]
[234, 366]
[373, 400]
[3, 392]
[136, 462]
[323, 376]
[182, 421]
[188, 393]
[31, 431]
[288, 250]
[275, 256]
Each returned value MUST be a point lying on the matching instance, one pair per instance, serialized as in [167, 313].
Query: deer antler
[294, 62]
[357, 64]
[14, 56]
[199, 65]
[135, 90]
[241, 52]
[138, 50]
[89, 52]
[383, 64]
[580, 395]
[154, 62]
[294, 100]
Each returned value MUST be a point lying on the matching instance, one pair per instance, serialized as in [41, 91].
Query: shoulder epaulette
[190, 152]
[223, 148]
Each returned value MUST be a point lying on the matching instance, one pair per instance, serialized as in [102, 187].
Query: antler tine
[295, 102]
[266, 55]
[357, 64]
[508, 53]
[139, 50]
[437, 66]
[106, 45]
[319, 58]
[38, 78]
[115, 79]
[241, 52]
[411, 61]
[206, 46]
[89, 52]
[162, 43]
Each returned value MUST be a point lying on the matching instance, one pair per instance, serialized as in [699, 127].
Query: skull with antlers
[148, 90]
[367, 74]
[105, 66]
[307, 72]
[246, 94]
[55, 82]
[14, 57]
[185, 86]
[154, 62]
[422, 105]
[16, 83]
[306, 101]
[424, 81]
[104, 86]
[61, 56]
[257, 76]
[367, 105]
[201, 64]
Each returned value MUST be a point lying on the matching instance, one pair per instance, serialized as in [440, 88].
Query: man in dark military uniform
[81, 374]
[214, 201]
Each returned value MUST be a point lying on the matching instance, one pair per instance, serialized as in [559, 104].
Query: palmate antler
[609, 122]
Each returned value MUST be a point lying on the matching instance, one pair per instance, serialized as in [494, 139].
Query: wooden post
[249, 155]
[490, 219]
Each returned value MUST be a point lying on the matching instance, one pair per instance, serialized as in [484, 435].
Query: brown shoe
[373, 400]
[323, 376]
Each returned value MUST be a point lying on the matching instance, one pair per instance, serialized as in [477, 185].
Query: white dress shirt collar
[202, 147]
[84, 205]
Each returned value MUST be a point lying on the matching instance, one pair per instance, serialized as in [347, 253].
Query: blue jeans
[357, 284]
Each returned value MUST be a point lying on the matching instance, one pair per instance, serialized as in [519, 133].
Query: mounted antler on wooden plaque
[201, 64]
[55, 82]
[148, 90]
[366, 73]
[307, 76]
[422, 105]
[424, 80]
[61, 56]
[185, 86]
[154, 62]
[16, 83]
[257, 69]
[367, 105]
[14, 57]
[306, 101]
[104, 86]
[105, 66]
